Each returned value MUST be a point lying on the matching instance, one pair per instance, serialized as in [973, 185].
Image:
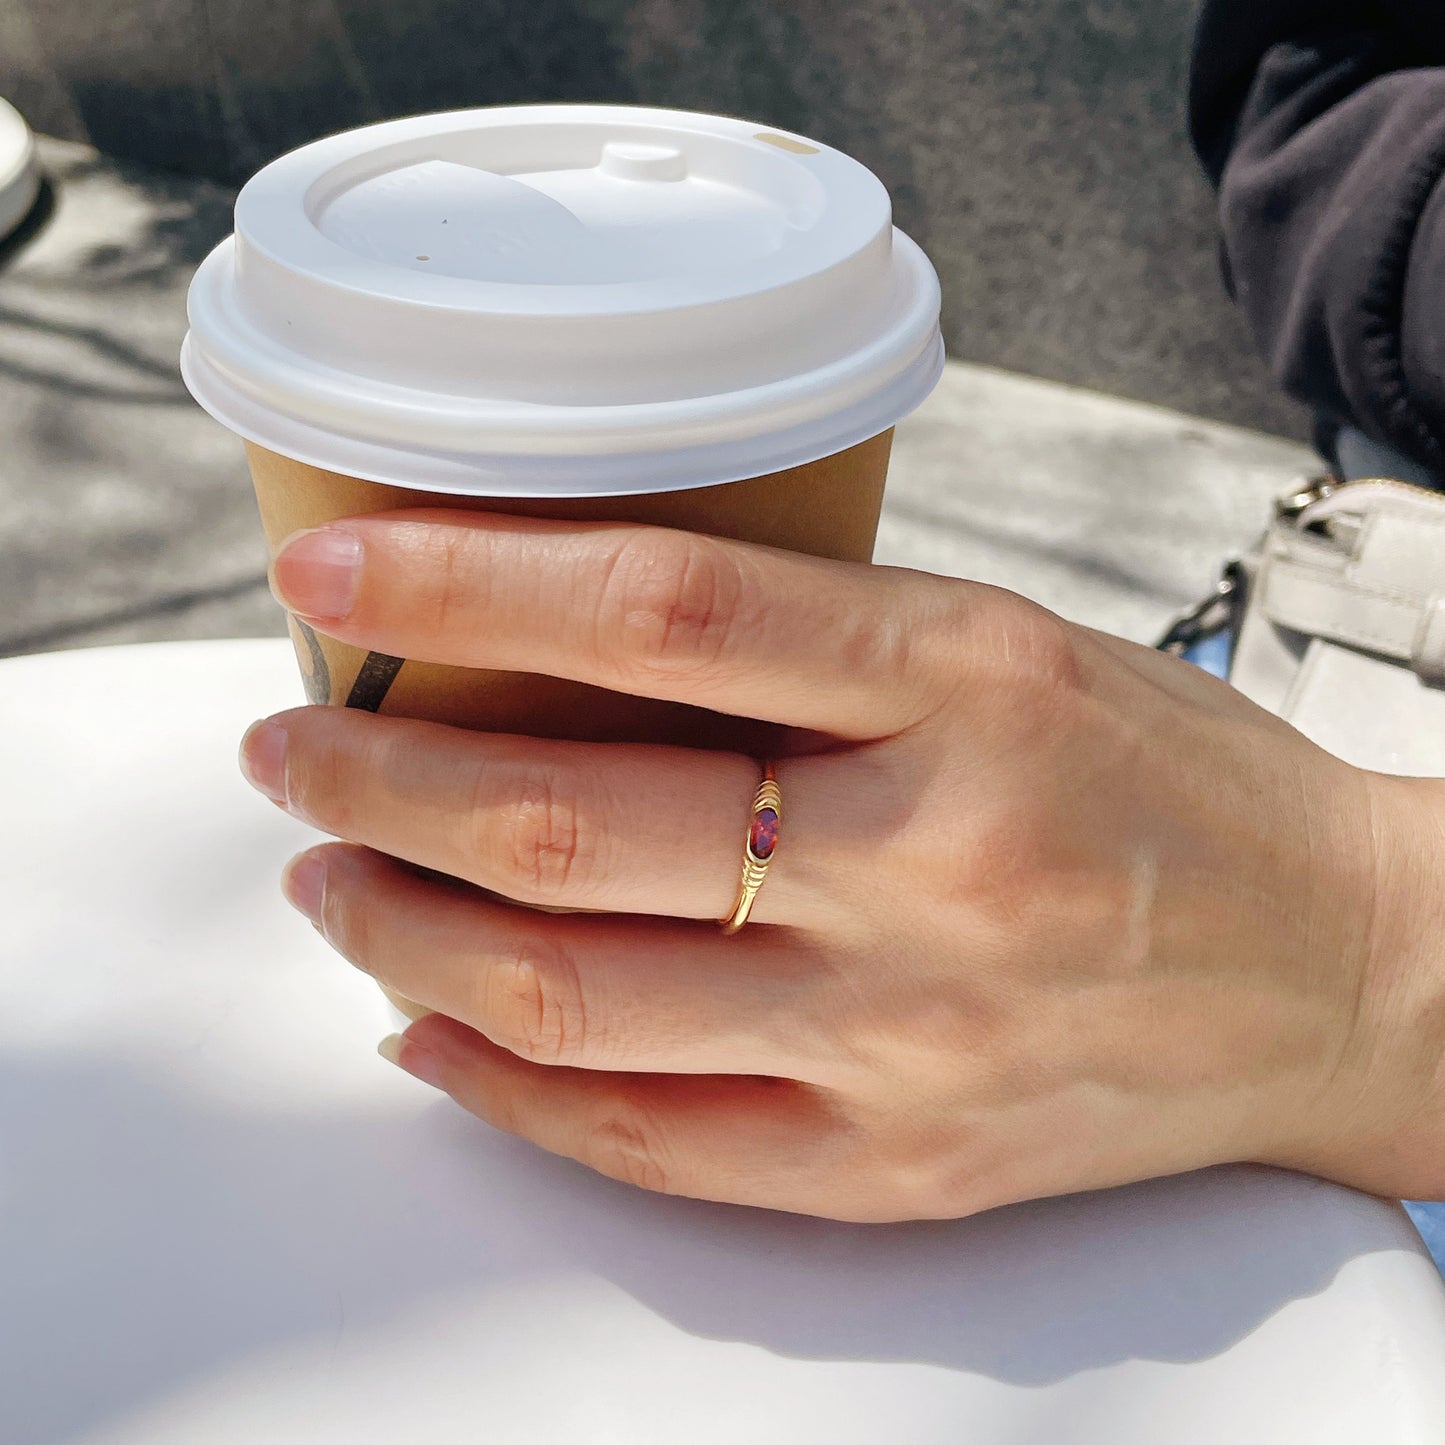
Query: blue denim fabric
[1430, 1221]
[1214, 654]
[1361, 456]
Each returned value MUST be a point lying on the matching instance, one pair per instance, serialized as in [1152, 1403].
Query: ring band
[759, 849]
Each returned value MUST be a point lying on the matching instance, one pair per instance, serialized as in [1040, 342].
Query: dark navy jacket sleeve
[1322, 123]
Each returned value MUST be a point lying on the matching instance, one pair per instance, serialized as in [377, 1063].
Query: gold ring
[758, 851]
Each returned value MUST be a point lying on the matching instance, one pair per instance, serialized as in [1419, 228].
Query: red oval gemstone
[764, 835]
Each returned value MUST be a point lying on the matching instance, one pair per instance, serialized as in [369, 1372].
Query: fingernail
[304, 884]
[263, 759]
[420, 1063]
[316, 574]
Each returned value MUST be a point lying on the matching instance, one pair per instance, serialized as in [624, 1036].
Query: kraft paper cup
[598, 312]
[827, 508]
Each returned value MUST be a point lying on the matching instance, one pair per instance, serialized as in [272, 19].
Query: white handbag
[1339, 617]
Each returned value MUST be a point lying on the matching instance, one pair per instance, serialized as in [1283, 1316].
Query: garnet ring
[761, 844]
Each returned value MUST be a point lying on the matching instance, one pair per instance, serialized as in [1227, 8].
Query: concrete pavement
[1035, 148]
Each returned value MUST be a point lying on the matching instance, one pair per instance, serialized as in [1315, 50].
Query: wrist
[1395, 1143]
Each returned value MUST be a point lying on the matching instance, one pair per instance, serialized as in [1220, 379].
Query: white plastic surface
[19, 175]
[224, 1220]
[563, 300]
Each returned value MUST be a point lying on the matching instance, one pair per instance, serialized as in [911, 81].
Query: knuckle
[674, 602]
[548, 850]
[319, 775]
[626, 1146]
[970, 643]
[1020, 655]
[913, 646]
[534, 1007]
[454, 579]
[953, 1189]
[503, 1108]
[358, 924]
[887, 648]
[1001, 871]
[1041, 650]
[347, 927]
[915, 1179]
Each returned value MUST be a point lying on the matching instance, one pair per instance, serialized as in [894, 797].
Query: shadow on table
[35, 221]
[218, 1234]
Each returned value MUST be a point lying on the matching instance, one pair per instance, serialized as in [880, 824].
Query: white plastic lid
[562, 301]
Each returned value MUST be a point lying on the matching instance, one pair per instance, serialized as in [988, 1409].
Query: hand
[1049, 911]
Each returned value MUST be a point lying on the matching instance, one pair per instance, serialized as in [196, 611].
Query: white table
[223, 1219]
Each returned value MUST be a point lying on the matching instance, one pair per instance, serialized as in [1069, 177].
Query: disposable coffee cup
[827, 508]
[564, 311]
[589, 312]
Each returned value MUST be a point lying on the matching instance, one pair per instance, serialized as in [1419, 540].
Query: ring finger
[616, 828]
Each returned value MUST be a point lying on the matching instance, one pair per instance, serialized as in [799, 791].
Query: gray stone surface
[1035, 147]
[1113, 513]
[126, 514]
[123, 511]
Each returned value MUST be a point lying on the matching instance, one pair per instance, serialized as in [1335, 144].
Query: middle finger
[618, 827]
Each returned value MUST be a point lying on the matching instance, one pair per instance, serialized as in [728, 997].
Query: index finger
[741, 629]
